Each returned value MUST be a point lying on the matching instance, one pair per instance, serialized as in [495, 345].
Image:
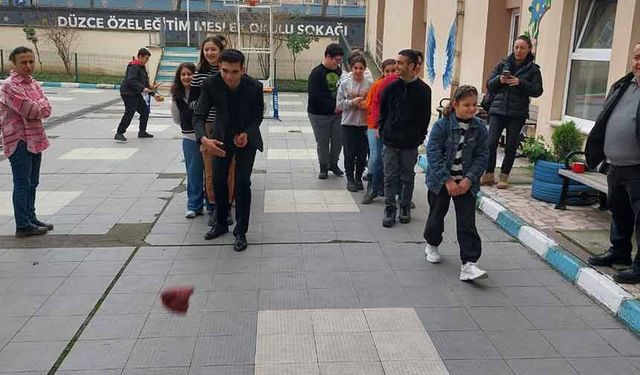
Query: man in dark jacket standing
[615, 138]
[239, 104]
[134, 84]
[321, 108]
[405, 112]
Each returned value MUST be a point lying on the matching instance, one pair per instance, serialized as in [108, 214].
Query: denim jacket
[441, 150]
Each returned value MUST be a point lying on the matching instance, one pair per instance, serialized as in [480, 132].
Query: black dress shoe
[609, 258]
[33, 231]
[42, 224]
[216, 232]
[628, 276]
[323, 174]
[240, 244]
[144, 134]
[212, 219]
[336, 170]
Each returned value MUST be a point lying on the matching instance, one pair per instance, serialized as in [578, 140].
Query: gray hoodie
[349, 90]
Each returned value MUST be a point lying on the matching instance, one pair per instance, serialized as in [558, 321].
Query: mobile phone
[506, 73]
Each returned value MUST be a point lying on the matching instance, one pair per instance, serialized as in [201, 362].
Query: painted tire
[546, 192]
[547, 171]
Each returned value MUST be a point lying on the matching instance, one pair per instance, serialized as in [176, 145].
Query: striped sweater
[194, 93]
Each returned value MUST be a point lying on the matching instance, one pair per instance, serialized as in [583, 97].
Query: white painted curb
[70, 84]
[491, 208]
[602, 289]
[535, 240]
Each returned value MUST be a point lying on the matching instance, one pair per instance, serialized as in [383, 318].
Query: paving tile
[228, 324]
[596, 317]
[521, 344]
[499, 318]
[138, 284]
[279, 349]
[232, 301]
[570, 296]
[293, 250]
[287, 369]
[367, 263]
[446, 319]
[597, 366]
[622, 340]
[346, 347]
[281, 264]
[473, 296]
[156, 371]
[200, 282]
[222, 370]
[281, 280]
[49, 328]
[9, 327]
[283, 299]
[98, 268]
[237, 265]
[530, 296]
[109, 253]
[553, 317]
[435, 367]
[66, 305]
[125, 304]
[339, 321]
[20, 305]
[374, 279]
[234, 282]
[42, 286]
[98, 355]
[478, 367]
[334, 298]
[157, 253]
[148, 267]
[86, 372]
[224, 350]
[433, 297]
[405, 346]
[393, 320]
[414, 279]
[464, 345]
[84, 285]
[112, 327]
[294, 322]
[30, 356]
[541, 367]
[579, 343]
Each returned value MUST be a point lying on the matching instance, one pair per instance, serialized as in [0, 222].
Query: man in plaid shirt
[23, 106]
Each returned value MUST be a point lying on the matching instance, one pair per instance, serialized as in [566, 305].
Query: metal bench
[595, 180]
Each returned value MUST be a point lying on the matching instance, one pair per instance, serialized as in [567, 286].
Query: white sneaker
[470, 271]
[190, 214]
[433, 256]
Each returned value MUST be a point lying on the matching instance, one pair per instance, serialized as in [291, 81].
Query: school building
[582, 46]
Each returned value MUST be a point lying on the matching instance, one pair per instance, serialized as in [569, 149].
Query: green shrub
[535, 149]
[566, 138]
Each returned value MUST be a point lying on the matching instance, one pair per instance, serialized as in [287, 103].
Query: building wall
[496, 45]
[397, 36]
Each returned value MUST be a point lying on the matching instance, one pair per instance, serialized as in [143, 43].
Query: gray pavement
[322, 288]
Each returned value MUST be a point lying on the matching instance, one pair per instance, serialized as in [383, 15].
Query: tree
[30, 34]
[296, 44]
[63, 39]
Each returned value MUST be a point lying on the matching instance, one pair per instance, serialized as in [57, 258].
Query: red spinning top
[177, 299]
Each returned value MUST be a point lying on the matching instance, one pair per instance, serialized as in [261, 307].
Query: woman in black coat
[511, 85]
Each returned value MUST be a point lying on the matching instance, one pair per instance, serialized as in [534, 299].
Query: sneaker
[33, 231]
[336, 170]
[389, 217]
[470, 271]
[405, 215]
[144, 134]
[190, 214]
[369, 197]
[433, 256]
[39, 223]
[120, 138]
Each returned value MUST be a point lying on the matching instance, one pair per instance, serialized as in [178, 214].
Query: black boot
[212, 218]
[351, 183]
[336, 170]
[628, 276]
[405, 214]
[389, 217]
[216, 232]
[358, 180]
[324, 173]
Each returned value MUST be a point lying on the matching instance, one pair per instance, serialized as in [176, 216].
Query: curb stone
[596, 285]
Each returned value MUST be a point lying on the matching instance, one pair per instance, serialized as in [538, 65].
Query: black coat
[595, 142]
[135, 80]
[248, 116]
[514, 101]
[405, 112]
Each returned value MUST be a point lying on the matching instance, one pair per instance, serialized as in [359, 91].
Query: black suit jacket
[215, 93]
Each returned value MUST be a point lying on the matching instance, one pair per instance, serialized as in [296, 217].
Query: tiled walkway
[322, 288]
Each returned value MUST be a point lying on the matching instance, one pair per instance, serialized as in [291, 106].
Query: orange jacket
[373, 99]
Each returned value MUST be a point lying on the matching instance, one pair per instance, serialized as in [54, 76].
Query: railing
[379, 51]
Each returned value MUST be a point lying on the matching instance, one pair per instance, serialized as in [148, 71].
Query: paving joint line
[75, 114]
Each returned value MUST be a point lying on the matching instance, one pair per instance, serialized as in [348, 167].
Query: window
[514, 28]
[589, 61]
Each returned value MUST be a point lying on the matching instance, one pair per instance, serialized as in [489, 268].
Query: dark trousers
[624, 202]
[244, 165]
[496, 125]
[25, 167]
[468, 238]
[355, 150]
[399, 174]
[133, 104]
[326, 129]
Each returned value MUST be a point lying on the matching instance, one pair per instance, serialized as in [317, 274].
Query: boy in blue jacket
[457, 152]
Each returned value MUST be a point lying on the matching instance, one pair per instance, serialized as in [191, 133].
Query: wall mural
[537, 9]
[448, 55]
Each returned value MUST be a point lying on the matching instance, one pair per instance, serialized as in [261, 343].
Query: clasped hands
[458, 188]
[509, 80]
[214, 147]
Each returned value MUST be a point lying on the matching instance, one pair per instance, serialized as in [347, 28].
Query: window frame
[514, 28]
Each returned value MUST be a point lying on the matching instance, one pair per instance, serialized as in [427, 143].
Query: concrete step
[179, 58]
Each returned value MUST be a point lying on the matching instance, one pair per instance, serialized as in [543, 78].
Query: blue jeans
[25, 167]
[195, 175]
[375, 169]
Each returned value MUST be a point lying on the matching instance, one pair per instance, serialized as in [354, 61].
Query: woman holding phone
[512, 83]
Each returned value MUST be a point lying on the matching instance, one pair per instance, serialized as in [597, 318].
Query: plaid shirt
[23, 106]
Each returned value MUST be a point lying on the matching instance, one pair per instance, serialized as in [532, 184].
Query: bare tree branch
[62, 38]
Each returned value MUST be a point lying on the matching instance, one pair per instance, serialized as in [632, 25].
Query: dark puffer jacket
[513, 101]
[136, 79]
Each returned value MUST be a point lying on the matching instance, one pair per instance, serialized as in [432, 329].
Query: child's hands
[464, 186]
[452, 187]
